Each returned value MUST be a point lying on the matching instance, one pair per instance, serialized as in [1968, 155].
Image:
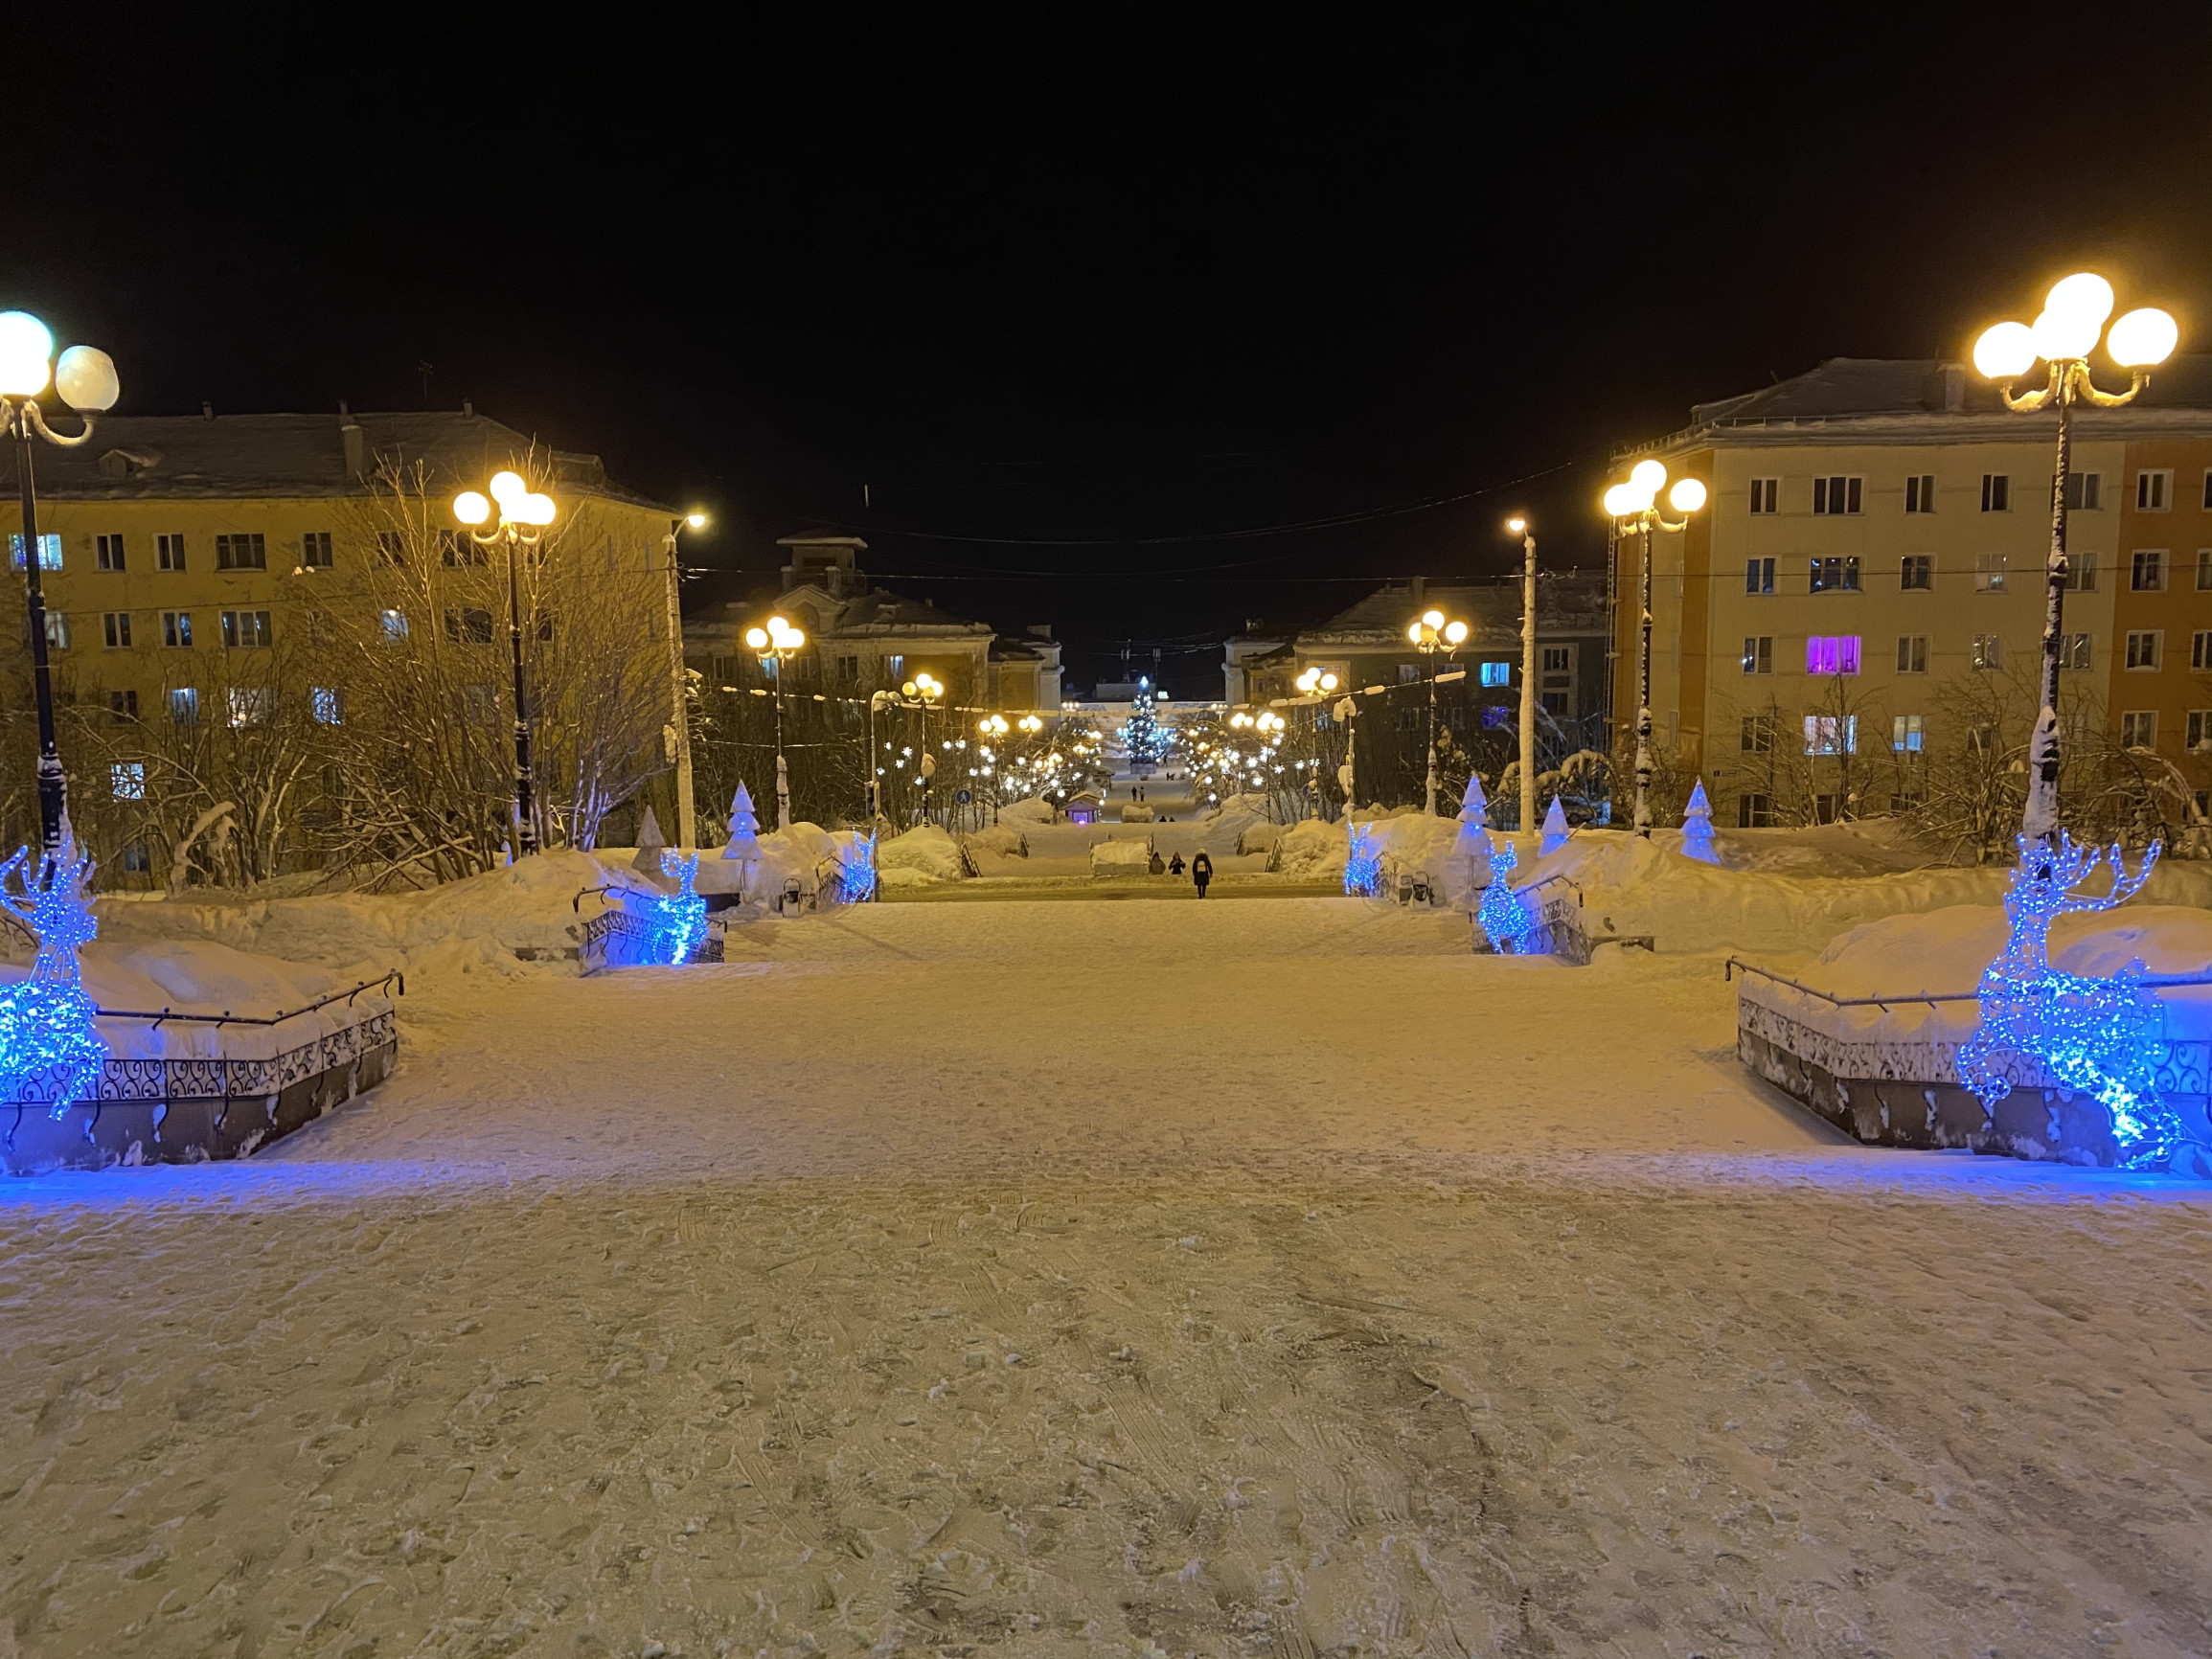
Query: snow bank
[1030, 811]
[928, 853]
[1000, 840]
[1123, 855]
[195, 976]
[1314, 850]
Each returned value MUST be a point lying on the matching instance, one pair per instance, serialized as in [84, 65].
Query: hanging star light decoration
[2099, 1036]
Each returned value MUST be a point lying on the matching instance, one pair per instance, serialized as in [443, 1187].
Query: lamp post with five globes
[523, 515]
[1634, 508]
[2062, 337]
[84, 378]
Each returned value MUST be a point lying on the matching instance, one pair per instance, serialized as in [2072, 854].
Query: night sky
[1139, 327]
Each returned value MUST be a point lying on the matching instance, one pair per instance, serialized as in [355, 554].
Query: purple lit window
[1832, 654]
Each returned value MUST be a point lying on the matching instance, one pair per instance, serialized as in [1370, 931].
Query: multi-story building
[168, 544]
[1870, 564]
[861, 638]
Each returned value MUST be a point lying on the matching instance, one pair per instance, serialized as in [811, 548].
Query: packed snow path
[1269, 1278]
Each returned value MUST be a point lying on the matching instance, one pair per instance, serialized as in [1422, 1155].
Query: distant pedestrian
[1201, 872]
[1176, 865]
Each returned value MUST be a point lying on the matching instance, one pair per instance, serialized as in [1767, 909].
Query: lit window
[49, 551]
[394, 625]
[1496, 717]
[1832, 654]
[1759, 653]
[128, 780]
[1904, 734]
[1498, 673]
[56, 630]
[250, 705]
[326, 706]
[1990, 571]
[1989, 651]
[184, 706]
[1835, 575]
[1832, 734]
[245, 629]
[176, 628]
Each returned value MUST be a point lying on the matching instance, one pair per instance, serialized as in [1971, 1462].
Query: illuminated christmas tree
[1697, 828]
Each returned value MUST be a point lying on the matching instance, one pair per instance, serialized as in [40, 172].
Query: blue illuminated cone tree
[1697, 828]
[1555, 830]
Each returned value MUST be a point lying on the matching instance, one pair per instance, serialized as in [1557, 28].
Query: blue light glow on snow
[47, 1041]
[2096, 1036]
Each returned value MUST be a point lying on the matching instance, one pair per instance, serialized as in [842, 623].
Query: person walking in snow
[1201, 872]
[1176, 865]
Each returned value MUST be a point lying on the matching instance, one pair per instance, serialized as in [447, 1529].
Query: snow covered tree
[651, 845]
[1555, 830]
[745, 825]
[1697, 828]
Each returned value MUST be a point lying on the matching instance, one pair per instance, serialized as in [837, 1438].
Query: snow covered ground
[1269, 1278]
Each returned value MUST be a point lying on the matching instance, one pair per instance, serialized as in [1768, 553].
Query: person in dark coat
[1176, 865]
[1201, 872]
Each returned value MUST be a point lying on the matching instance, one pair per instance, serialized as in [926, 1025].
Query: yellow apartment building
[171, 547]
[1876, 531]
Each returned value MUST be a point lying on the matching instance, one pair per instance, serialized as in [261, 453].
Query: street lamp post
[1635, 509]
[1520, 528]
[84, 378]
[523, 515]
[1316, 683]
[1431, 633]
[773, 643]
[922, 693]
[2062, 337]
[679, 700]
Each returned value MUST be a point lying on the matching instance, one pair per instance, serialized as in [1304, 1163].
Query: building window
[1920, 492]
[2074, 651]
[115, 625]
[1906, 735]
[2203, 569]
[2139, 729]
[126, 780]
[1759, 734]
[1912, 653]
[468, 628]
[2143, 648]
[2147, 572]
[2085, 492]
[2081, 572]
[1758, 576]
[1765, 495]
[1498, 673]
[1559, 660]
[1835, 575]
[327, 709]
[1834, 496]
[245, 629]
[1759, 654]
[2208, 490]
[1918, 572]
[241, 552]
[56, 630]
[2155, 489]
[49, 551]
[1909, 800]
[1554, 703]
[1754, 811]
[394, 625]
[2201, 652]
[315, 550]
[169, 552]
[184, 706]
[1989, 651]
[1497, 716]
[848, 667]
[1832, 654]
[1990, 571]
[457, 547]
[1832, 734]
[251, 705]
[137, 860]
[1996, 492]
[2199, 729]
[391, 547]
[123, 707]
[176, 629]
[480, 704]
[107, 552]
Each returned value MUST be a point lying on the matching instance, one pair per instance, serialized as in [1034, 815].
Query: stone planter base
[127, 1126]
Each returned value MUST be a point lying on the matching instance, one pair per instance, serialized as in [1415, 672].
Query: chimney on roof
[1040, 631]
[356, 443]
[206, 410]
[1953, 388]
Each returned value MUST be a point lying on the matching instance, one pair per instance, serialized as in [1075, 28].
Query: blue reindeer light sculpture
[49, 1049]
[1502, 915]
[678, 918]
[2097, 1035]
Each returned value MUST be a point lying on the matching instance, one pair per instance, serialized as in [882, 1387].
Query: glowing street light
[772, 645]
[1430, 632]
[523, 513]
[1633, 508]
[84, 379]
[2061, 337]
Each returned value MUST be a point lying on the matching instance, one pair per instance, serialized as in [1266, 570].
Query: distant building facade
[1884, 524]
